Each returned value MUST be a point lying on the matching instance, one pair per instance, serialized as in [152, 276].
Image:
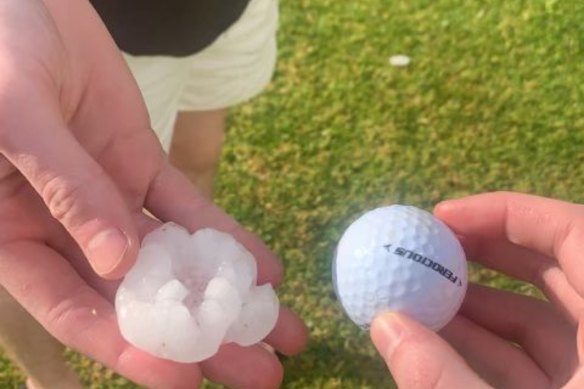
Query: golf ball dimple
[400, 258]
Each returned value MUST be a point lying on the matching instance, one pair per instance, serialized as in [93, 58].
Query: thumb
[74, 187]
[417, 357]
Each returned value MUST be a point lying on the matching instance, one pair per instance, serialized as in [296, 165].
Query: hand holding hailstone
[189, 294]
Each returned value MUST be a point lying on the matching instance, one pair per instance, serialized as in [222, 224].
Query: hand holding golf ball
[498, 338]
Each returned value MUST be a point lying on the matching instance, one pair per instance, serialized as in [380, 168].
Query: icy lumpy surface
[188, 294]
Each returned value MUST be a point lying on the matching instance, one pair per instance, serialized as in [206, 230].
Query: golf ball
[400, 258]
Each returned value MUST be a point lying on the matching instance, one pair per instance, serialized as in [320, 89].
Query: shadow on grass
[337, 362]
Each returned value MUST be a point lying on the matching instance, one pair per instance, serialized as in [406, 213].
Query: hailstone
[188, 294]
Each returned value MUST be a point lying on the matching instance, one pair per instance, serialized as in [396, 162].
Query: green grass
[493, 99]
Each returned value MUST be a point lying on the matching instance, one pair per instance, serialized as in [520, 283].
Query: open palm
[79, 165]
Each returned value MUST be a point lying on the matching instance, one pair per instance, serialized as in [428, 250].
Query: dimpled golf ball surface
[400, 258]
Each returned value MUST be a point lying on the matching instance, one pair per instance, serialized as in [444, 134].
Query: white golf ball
[400, 258]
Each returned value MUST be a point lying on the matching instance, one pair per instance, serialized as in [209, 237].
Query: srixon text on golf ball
[409, 254]
[188, 294]
[400, 258]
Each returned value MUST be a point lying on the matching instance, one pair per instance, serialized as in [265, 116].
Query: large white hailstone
[188, 294]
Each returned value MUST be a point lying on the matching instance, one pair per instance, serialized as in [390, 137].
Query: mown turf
[492, 100]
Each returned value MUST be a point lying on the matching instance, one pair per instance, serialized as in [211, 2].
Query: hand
[509, 340]
[79, 164]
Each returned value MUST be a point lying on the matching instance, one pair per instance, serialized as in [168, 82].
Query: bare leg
[196, 147]
[33, 349]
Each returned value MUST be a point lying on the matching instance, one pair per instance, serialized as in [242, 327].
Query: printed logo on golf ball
[400, 258]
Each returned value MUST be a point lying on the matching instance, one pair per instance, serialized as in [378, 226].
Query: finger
[533, 324]
[171, 197]
[528, 265]
[417, 357]
[290, 334]
[499, 362]
[47, 287]
[576, 382]
[75, 189]
[550, 227]
[64, 244]
[244, 367]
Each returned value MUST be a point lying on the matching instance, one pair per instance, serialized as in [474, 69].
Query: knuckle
[71, 309]
[67, 197]
[63, 197]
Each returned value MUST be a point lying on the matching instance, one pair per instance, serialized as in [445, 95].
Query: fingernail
[446, 206]
[387, 331]
[443, 206]
[107, 250]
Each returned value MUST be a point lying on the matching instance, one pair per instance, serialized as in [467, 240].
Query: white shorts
[234, 68]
